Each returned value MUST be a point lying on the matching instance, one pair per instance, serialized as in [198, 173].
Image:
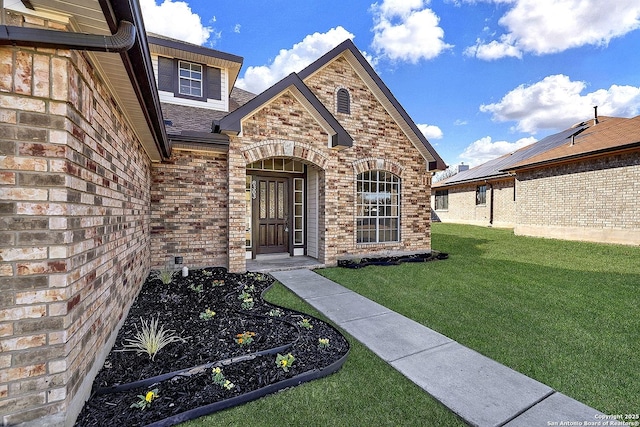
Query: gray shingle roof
[180, 118]
[239, 97]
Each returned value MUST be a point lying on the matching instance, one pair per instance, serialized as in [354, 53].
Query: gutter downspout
[491, 205]
[137, 62]
[122, 41]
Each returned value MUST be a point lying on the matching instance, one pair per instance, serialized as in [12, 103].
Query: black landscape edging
[163, 377]
[219, 363]
[210, 408]
[392, 260]
[252, 395]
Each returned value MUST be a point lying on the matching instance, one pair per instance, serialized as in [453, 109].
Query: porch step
[278, 262]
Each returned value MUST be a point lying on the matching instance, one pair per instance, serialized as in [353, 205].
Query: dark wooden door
[271, 212]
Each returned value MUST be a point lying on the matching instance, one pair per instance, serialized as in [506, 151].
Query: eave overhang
[483, 180]
[128, 75]
[199, 141]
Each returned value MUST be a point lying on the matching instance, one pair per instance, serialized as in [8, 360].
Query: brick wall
[378, 144]
[74, 228]
[595, 200]
[504, 205]
[463, 209]
[189, 209]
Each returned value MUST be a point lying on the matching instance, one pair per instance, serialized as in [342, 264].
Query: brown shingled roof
[608, 135]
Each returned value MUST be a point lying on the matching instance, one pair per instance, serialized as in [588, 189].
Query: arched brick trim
[369, 164]
[284, 148]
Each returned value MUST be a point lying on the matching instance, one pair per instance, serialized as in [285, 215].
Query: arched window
[343, 101]
[378, 207]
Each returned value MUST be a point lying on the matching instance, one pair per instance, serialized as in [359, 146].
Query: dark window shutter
[344, 103]
[167, 74]
[214, 83]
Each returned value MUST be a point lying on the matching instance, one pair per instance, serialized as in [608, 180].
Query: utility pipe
[121, 41]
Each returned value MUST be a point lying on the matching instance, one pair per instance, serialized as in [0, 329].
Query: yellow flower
[150, 396]
[216, 370]
[283, 362]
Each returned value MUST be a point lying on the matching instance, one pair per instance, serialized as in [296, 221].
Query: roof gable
[367, 74]
[232, 123]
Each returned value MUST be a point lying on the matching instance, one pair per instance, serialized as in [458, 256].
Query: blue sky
[480, 77]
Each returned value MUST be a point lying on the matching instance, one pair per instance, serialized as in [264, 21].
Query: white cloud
[556, 102]
[460, 122]
[236, 28]
[256, 79]
[176, 20]
[550, 26]
[407, 30]
[430, 131]
[484, 149]
[494, 50]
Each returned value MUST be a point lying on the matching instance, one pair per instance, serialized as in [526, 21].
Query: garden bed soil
[182, 372]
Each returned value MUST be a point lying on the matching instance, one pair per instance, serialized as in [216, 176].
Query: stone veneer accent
[189, 209]
[74, 228]
[594, 200]
[379, 143]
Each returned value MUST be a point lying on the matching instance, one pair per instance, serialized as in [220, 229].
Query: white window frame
[192, 69]
[375, 206]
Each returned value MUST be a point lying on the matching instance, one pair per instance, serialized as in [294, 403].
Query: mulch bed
[182, 372]
[392, 260]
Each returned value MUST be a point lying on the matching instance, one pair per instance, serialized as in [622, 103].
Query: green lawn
[564, 313]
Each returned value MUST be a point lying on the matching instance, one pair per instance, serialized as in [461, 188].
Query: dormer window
[190, 79]
[343, 101]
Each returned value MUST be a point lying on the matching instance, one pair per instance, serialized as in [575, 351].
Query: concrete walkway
[481, 391]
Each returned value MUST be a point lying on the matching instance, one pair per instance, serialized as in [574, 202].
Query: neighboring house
[580, 184]
[106, 172]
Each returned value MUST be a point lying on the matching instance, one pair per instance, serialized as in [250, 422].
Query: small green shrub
[165, 275]
[285, 361]
[145, 400]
